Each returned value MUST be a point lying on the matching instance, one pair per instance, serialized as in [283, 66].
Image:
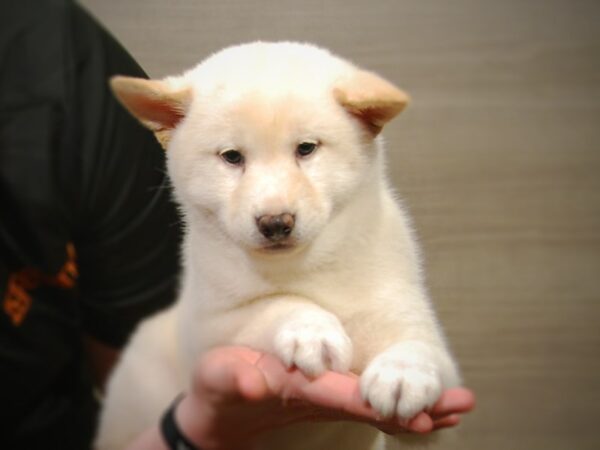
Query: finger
[245, 353]
[252, 383]
[337, 392]
[339, 396]
[456, 400]
[421, 423]
[446, 422]
[282, 381]
[228, 374]
[331, 396]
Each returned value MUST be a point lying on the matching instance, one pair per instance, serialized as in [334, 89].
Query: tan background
[498, 159]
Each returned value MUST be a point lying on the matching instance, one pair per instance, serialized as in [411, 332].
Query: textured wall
[498, 159]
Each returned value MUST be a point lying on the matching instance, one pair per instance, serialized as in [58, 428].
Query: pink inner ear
[373, 118]
[367, 121]
[157, 111]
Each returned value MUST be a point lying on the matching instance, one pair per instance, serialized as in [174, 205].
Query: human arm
[238, 393]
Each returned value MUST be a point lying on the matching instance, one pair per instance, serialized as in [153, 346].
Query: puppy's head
[266, 141]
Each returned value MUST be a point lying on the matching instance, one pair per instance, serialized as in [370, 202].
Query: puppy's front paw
[314, 342]
[404, 380]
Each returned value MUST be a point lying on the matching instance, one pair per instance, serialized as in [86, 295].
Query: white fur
[350, 295]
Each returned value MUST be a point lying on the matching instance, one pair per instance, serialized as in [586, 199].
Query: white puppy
[294, 242]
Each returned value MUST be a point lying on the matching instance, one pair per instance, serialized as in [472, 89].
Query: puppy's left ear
[155, 103]
[372, 99]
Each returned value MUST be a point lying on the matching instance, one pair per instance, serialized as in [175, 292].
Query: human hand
[238, 393]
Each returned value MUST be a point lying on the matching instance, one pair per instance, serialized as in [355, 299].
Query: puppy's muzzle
[277, 227]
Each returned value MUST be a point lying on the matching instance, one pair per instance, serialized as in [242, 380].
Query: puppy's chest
[342, 293]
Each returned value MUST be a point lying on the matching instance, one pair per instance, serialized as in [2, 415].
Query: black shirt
[88, 235]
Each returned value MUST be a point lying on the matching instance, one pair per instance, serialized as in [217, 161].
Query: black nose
[276, 228]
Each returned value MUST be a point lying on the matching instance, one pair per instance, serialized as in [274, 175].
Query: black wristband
[171, 432]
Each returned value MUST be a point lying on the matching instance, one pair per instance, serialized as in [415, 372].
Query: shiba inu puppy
[295, 243]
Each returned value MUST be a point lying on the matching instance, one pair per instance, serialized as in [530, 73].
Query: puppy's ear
[154, 103]
[369, 97]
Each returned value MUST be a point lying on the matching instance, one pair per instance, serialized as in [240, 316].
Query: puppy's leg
[299, 332]
[411, 365]
[406, 378]
[313, 340]
[409, 376]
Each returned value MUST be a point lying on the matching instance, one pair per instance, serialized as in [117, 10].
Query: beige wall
[498, 159]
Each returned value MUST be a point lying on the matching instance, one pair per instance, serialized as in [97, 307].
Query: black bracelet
[171, 433]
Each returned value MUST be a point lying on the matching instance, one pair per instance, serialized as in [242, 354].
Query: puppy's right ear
[156, 104]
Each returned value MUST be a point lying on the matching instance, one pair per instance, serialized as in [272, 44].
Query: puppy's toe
[401, 383]
[314, 346]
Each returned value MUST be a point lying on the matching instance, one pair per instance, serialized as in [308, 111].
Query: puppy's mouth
[280, 247]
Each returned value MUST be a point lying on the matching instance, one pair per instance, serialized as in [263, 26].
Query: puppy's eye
[306, 148]
[232, 157]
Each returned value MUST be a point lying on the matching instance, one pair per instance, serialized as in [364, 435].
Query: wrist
[203, 427]
[192, 421]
